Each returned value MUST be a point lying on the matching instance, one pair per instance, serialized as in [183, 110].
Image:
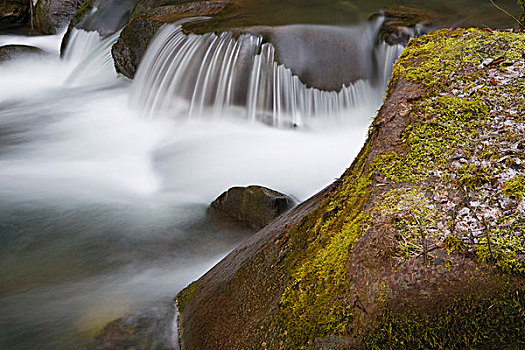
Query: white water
[103, 212]
[196, 75]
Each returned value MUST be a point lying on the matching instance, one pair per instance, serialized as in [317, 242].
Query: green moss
[471, 176]
[507, 247]
[314, 304]
[445, 122]
[453, 244]
[470, 321]
[84, 10]
[185, 296]
[515, 187]
[434, 59]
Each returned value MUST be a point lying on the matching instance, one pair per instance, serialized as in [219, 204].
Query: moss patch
[515, 187]
[313, 304]
[185, 296]
[469, 322]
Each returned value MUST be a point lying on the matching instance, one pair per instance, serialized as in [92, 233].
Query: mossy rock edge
[421, 242]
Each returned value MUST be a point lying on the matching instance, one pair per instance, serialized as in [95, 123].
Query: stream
[104, 198]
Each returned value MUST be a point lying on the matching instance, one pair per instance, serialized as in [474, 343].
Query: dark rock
[255, 206]
[11, 52]
[13, 12]
[319, 55]
[151, 329]
[53, 15]
[103, 16]
[325, 50]
[522, 17]
[400, 23]
[147, 17]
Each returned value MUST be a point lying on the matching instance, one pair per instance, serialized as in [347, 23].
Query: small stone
[255, 206]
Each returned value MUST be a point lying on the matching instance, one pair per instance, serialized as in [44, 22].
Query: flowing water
[103, 207]
[105, 183]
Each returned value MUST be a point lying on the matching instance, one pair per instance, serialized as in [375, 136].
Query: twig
[506, 12]
[31, 13]
[423, 236]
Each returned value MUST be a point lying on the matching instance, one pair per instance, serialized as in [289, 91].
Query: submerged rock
[53, 15]
[11, 52]
[13, 13]
[152, 329]
[255, 206]
[419, 244]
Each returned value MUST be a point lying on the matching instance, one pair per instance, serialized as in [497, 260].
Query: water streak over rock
[216, 72]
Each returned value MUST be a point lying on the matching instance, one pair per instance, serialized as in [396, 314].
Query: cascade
[95, 66]
[80, 44]
[199, 75]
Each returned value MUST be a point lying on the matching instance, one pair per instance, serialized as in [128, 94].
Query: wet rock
[151, 329]
[147, 17]
[318, 55]
[13, 13]
[11, 52]
[103, 16]
[400, 23]
[53, 15]
[255, 206]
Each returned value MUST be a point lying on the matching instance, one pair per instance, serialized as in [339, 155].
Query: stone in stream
[53, 15]
[12, 52]
[255, 206]
[147, 17]
[150, 329]
[103, 16]
[13, 13]
[400, 23]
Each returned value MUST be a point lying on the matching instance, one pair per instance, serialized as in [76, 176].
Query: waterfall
[199, 75]
[80, 44]
[98, 66]
[385, 55]
[91, 57]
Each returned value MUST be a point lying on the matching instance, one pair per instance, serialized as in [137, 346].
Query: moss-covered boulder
[13, 13]
[421, 242]
[255, 206]
[53, 15]
[12, 52]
